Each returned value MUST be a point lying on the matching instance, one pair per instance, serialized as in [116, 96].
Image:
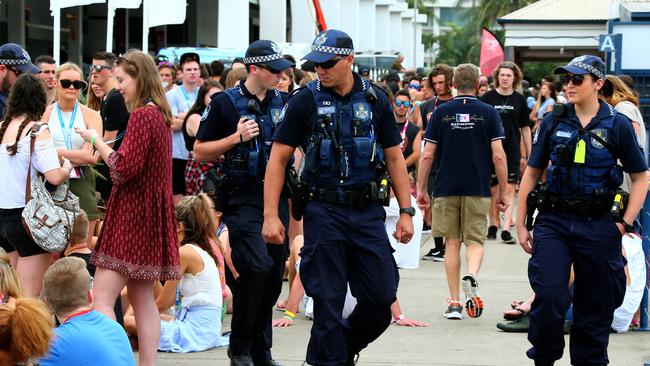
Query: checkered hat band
[11, 62]
[262, 59]
[589, 68]
[333, 50]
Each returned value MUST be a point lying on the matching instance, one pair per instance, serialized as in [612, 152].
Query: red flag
[491, 52]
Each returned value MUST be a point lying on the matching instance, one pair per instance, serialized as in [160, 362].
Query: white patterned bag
[48, 217]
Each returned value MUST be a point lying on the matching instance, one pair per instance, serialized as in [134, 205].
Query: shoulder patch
[204, 116]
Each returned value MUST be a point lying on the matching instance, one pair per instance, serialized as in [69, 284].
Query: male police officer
[239, 124]
[346, 127]
[575, 227]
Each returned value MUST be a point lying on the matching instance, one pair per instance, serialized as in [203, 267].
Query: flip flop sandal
[520, 314]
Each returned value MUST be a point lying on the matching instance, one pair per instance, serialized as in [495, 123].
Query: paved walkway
[422, 293]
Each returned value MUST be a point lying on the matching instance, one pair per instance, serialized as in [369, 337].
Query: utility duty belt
[596, 205]
[358, 198]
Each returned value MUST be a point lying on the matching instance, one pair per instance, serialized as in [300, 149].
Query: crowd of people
[184, 214]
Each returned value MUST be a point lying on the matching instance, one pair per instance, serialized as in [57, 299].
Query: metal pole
[110, 17]
[415, 19]
[56, 45]
[145, 26]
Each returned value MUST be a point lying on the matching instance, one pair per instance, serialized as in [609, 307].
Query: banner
[491, 52]
[60, 4]
[174, 12]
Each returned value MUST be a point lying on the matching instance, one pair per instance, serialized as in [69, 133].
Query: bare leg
[474, 257]
[147, 320]
[30, 272]
[494, 212]
[106, 288]
[91, 233]
[452, 267]
[507, 215]
[13, 258]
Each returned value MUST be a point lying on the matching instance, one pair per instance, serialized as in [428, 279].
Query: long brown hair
[26, 330]
[615, 91]
[519, 76]
[141, 67]
[28, 98]
[194, 212]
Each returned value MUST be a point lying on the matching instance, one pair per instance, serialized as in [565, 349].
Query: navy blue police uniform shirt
[221, 117]
[299, 117]
[622, 138]
[463, 130]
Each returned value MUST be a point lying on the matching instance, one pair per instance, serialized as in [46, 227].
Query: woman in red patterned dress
[138, 243]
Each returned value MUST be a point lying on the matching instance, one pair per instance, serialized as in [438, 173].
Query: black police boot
[269, 363]
[243, 360]
[544, 363]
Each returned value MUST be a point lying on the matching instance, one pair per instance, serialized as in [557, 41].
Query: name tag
[563, 134]
[326, 110]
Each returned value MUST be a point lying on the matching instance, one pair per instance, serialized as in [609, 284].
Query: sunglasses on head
[99, 68]
[328, 64]
[261, 66]
[404, 103]
[576, 79]
[77, 84]
[414, 86]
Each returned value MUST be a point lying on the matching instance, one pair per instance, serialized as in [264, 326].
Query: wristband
[399, 317]
[92, 139]
[290, 314]
[288, 317]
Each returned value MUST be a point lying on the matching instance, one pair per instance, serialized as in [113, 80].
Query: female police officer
[583, 141]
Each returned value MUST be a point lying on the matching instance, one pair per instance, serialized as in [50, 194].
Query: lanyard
[403, 133]
[67, 132]
[187, 97]
[83, 312]
[220, 229]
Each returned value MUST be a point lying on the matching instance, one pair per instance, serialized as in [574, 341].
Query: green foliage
[463, 43]
[537, 70]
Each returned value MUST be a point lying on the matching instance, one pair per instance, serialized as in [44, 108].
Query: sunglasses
[575, 79]
[275, 72]
[404, 103]
[414, 86]
[15, 70]
[99, 68]
[328, 64]
[77, 84]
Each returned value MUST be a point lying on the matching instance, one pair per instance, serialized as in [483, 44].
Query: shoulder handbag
[48, 217]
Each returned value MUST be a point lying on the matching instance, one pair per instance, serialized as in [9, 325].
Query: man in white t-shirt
[181, 100]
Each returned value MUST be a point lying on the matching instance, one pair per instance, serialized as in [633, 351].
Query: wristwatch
[407, 210]
[628, 228]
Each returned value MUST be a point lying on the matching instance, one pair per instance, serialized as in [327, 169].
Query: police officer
[583, 142]
[239, 124]
[346, 127]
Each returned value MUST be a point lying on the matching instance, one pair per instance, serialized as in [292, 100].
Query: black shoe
[544, 363]
[269, 363]
[242, 360]
[353, 358]
[434, 255]
[507, 238]
[492, 232]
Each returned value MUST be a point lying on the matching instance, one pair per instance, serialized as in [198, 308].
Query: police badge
[602, 133]
[321, 39]
[360, 111]
[276, 114]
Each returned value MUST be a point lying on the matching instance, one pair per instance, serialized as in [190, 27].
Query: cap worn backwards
[266, 52]
[14, 55]
[581, 65]
[329, 44]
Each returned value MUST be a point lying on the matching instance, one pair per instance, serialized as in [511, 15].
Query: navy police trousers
[343, 245]
[261, 268]
[593, 247]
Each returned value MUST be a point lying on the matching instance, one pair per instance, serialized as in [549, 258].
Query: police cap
[329, 44]
[268, 53]
[586, 64]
